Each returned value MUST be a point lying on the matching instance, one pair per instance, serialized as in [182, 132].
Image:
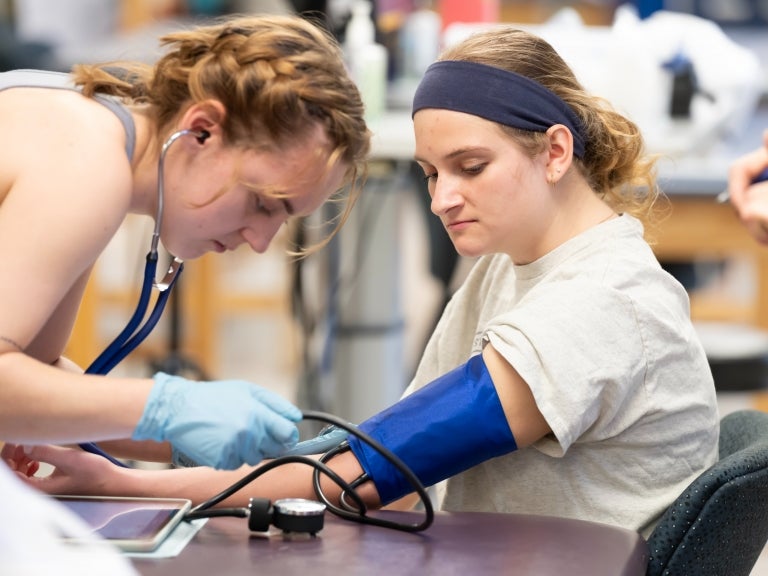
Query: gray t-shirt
[603, 337]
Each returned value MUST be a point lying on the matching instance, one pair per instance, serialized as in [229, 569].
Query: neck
[582, 210]
[144, 166]
[575, 209]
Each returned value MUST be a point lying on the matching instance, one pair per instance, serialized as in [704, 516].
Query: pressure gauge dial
[288, 514]
[298, 515]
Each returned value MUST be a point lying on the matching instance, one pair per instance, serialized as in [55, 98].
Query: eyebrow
[455, 153]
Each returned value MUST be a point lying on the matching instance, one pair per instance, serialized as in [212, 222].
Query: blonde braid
[277, 77]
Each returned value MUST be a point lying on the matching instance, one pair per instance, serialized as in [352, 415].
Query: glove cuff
[180, 460]
[157, 409]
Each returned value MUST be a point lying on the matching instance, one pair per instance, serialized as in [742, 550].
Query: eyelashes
[473, 170]
[261, 207]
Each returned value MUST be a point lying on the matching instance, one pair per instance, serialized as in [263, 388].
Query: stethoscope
[135, 332]
[290, 514]
[299, 515]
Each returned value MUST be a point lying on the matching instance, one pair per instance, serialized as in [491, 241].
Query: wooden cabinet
[699, 227]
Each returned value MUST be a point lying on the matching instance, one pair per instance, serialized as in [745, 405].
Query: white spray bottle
[366, 59]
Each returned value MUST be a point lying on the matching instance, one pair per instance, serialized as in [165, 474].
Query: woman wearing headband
[564, 377]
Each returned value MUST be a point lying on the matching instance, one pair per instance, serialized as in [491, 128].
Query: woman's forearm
[147, 451]
[40, 403]
[292, 480]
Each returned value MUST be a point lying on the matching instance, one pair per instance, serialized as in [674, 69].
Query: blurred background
[343, 330]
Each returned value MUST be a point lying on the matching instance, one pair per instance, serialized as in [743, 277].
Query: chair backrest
[719, 525]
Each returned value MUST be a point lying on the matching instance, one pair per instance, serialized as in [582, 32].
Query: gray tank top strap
[62, 80]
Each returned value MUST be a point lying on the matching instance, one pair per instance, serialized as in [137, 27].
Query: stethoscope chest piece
[291, 515]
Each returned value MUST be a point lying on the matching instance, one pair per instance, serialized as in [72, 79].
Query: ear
[560, 152]
[207, 115]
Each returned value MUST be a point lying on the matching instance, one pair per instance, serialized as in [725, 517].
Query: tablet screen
[133, 524]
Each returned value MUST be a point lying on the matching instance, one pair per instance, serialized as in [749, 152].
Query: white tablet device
[131, 524]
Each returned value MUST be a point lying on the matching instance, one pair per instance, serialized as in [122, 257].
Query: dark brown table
[465, 543]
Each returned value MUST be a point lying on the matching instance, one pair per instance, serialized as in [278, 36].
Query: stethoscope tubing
[134, 333]
[131, 336]
[117, 349]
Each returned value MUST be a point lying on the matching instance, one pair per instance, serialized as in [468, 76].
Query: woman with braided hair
[265, 125]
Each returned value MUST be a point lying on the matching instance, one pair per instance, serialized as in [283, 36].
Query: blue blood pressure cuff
[442, 429]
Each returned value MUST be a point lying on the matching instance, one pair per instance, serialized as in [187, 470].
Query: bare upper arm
[525, 420]
[64, 189]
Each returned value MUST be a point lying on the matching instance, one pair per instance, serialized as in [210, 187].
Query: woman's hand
[751, 200]
[74, 471]
[17, 460]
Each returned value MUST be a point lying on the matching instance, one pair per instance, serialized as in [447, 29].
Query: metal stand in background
[368, 369]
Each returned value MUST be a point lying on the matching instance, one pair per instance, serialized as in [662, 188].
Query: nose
[445, 196]
[259, 236]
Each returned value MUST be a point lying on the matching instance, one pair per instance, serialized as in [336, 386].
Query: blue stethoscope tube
[134, 333]
[132, 336]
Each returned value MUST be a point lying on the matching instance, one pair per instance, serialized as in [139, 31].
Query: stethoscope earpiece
[203, 135]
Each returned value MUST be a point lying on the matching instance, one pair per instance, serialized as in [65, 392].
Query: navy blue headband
[497, 95]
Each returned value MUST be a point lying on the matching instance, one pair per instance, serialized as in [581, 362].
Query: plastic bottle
[420, 40]
[366, 59]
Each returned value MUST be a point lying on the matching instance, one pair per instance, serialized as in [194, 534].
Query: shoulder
[60, 135]
[64, 161]
[49, 101]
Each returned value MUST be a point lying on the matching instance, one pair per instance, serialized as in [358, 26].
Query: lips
[458, 224]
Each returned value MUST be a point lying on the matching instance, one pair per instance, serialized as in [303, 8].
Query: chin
[185, 254]
[194, 255]
[471, 251]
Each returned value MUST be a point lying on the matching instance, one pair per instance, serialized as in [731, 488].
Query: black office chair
[719, 525]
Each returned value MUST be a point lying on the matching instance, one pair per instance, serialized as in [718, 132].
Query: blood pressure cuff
[442, 429]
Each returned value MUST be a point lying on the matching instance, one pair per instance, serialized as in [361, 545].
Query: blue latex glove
[222, 424]
[329, 437]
